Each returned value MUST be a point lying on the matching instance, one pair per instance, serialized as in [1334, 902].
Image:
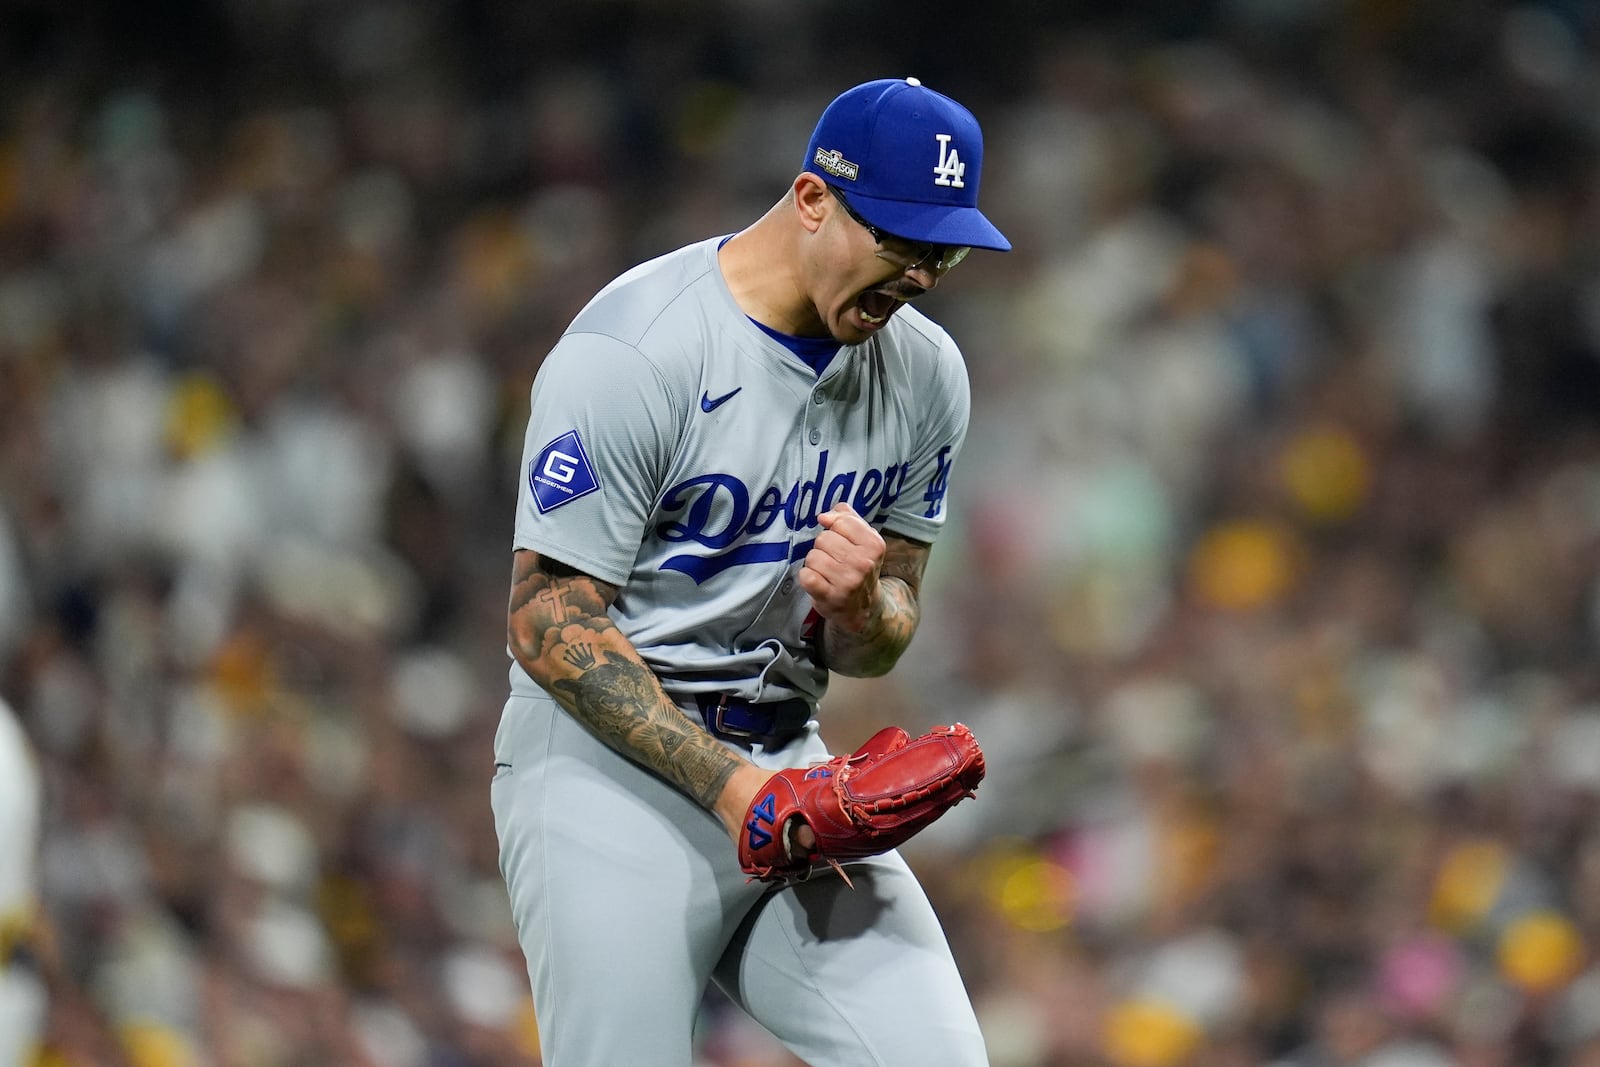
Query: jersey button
[817, 397]
[816, 435]
[787, 587]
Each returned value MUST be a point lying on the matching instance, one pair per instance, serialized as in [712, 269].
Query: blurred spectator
[24, 1001]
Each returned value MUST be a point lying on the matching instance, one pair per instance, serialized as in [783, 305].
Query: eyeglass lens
[938, 258]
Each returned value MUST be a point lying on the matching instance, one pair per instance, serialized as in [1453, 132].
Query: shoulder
[663, 314]
[654, 299]
[924, 350]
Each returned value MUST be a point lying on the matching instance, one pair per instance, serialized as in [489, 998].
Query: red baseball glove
[859, 805]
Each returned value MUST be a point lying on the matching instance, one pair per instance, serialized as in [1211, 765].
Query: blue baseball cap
[908, 161]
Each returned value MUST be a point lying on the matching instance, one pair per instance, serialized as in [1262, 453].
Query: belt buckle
[720, 726]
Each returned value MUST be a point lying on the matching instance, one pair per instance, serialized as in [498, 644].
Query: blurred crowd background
[1272, 584]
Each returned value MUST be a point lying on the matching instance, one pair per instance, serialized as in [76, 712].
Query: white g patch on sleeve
[561, 473]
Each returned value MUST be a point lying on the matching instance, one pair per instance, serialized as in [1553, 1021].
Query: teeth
[877, 297]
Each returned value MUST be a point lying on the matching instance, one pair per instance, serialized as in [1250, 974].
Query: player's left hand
[859, 805]
[841, 570]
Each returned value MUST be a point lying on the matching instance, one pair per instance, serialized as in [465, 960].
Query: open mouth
[875, 306]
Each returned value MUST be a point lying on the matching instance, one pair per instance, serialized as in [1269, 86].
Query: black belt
[740, 720]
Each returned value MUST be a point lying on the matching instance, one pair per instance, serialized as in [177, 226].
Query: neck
[762, 266]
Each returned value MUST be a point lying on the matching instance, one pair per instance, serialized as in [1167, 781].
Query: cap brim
[938, 224]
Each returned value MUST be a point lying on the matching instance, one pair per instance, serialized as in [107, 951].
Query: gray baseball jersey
[678, 451]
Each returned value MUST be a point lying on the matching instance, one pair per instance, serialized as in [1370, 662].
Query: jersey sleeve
[919, 512]
[599, 439]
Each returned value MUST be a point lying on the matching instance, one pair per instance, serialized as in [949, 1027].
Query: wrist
[734, 800]
[884, 635]
[867, 623]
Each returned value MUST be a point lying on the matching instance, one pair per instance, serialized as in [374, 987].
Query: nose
[923, 275]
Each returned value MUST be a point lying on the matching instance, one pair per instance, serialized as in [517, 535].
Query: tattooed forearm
[559, 630]
[877, 648]
[873, 651]
[621, 702]
[905, 560]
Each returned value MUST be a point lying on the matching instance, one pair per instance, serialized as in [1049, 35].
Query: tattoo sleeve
[558, 629]
[873, 651]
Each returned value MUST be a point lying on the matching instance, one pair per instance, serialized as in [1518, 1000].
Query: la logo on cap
[950, 168]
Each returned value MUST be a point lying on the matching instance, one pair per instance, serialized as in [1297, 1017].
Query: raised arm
[559, 631]
[865, 586]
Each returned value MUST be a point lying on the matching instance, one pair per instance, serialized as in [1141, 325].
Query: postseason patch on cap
[833, 161]
[560, 473]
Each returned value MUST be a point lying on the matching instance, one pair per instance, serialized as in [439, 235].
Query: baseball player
[735, 465]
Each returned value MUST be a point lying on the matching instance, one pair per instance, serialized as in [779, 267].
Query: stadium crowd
[1272, 585]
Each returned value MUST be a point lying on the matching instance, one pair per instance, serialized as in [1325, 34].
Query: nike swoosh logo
[708, 405]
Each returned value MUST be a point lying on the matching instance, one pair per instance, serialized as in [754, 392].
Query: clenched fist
[841, 570]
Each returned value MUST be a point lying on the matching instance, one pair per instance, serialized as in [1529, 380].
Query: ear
[812, 201]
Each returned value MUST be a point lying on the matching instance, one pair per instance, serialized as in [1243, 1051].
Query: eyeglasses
[902, 252]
